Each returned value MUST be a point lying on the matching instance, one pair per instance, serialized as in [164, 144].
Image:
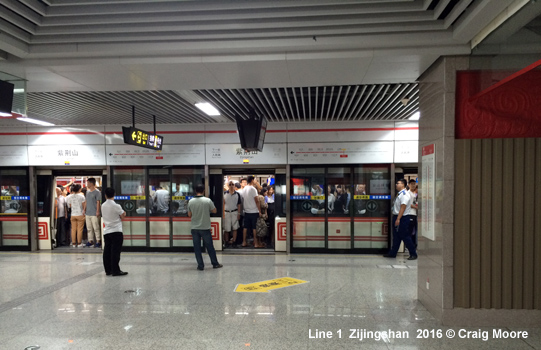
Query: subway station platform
[65, 301]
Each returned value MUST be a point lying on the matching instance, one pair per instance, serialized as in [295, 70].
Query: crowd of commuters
[248, 208]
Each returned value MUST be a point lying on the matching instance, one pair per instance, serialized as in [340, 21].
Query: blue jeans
[197, 235]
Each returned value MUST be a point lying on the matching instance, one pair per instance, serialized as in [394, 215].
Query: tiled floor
[65, 301]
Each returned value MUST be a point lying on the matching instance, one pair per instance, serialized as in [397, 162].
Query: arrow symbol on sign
[133, 135]
[292, 152]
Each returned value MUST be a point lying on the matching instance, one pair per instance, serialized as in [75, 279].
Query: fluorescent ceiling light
[207, 108]
[2, 114]
[415, 116]
[18, 91]
[35, 121]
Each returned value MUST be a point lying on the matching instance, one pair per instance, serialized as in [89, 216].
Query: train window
[15, 196]
[183, 183]
[308, 207]
[129, 185]
[371, 207]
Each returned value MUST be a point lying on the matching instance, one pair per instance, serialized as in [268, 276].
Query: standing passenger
[271, 215]
[413, 211]
[199, 209]
[252, 210]
[162, 200]
[401, 221]
[93, 199]
[76, 201]
[61, 215]
[112, 214]
[232, 204]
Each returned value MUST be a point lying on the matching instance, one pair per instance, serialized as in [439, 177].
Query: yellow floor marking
[266, 286]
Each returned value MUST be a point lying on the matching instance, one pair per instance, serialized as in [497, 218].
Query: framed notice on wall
[428, 187]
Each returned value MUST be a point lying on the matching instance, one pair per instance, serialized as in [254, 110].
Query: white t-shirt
[162, 200]
[110, 212]
[413, 198]
[403, 197]
[249, 194]
[231, 201]
[75, 202]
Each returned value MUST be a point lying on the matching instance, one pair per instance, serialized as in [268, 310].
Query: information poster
[13, 155]
[428, 187]
[169, 155]
[340, 153]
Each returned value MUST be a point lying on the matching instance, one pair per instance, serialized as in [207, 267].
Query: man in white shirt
[401, 222]
[112, 214]
[252, 209]
[162, 200]
[232, 207]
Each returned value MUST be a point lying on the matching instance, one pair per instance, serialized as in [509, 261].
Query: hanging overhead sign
[136, 137]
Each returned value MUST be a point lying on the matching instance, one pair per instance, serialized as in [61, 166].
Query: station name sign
[136, 137]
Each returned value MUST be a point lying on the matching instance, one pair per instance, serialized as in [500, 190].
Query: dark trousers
[197, 235]
[111, 252]
[402, 233]
[413, 229]
[61, 232]
[239, 230]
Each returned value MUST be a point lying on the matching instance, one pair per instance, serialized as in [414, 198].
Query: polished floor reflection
[65, 301]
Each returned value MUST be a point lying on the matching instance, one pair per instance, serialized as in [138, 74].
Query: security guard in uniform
[401, 222]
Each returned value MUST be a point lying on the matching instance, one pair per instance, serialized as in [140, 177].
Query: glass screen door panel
[14, 202]
[129, 185]
[182, 189]
[371, 206]
[307, 202]
[339, 198]
[159, 186]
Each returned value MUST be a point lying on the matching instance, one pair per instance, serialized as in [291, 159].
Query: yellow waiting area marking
[266, 286]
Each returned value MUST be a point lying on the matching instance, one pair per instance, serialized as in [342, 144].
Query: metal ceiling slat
[344, 99]
[171, 103]
[377, 102]
[395, 108]
[393, 98]
[252, 102]
[331, 97]
[291, 110]
[407, 110]
[237, 108]
[256, 92]
[359, 99]
[323, 102]
[412, 105]
[282, 104]
[275, 118]
[296, 102]
[310, 103]
[359, 109]
[315, 106]
[303, 108]
[334, 116]
[280, 111]
[242, 104]
[224, 106]
[351, 98]
[374, 97]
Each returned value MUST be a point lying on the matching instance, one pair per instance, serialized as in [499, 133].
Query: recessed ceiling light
[34, 121]
[208, 108]
[415, 116]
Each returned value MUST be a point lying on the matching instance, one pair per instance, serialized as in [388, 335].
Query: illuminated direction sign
[136, 137]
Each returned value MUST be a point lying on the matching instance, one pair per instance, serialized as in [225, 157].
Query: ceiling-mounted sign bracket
[137, 137]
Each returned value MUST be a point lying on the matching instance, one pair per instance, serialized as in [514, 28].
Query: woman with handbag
[261, 226]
